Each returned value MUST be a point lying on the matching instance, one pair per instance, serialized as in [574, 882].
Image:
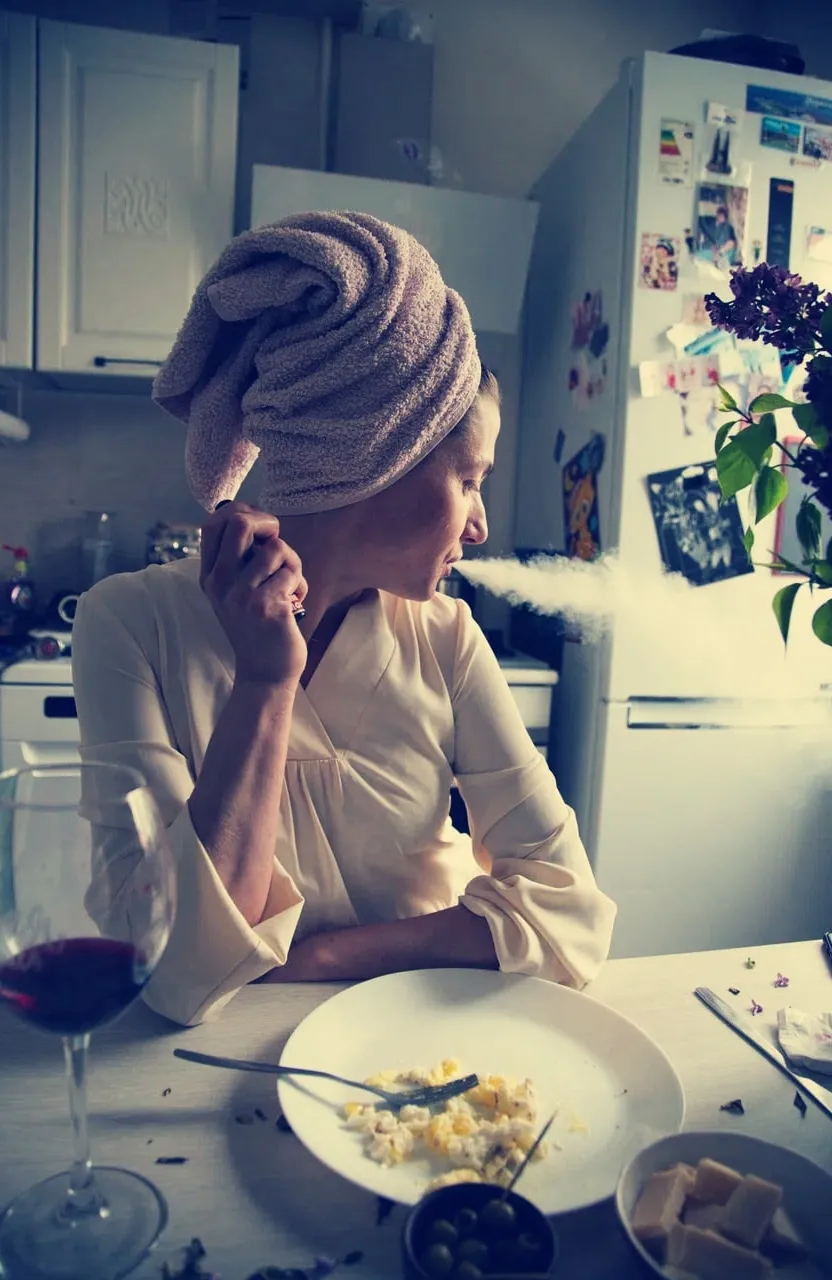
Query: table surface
[254, 1195]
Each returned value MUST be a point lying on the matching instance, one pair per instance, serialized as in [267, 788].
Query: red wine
[74, 984]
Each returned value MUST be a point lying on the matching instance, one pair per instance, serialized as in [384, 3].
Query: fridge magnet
[819, 244]
[779, 234]
[659, 267]
[782, 135]
[817, 143]
[676, 138]
[699, 536]
[690, 241]
[590, 337]
[721, 212]
[580, 500]
[694, 312]
[756, 251]
[560, 441]
[716, 113]
[767, 101]
[786, 543]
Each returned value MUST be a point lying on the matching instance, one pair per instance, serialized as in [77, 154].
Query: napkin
[806, 1039]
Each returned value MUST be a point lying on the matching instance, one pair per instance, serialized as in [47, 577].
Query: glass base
[39, 1242]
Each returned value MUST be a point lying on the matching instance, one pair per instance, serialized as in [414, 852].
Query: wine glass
[87, 898]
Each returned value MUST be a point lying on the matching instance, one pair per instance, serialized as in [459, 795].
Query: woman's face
[410, 534]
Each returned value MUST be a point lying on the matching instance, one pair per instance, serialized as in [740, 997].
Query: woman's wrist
[264, 695]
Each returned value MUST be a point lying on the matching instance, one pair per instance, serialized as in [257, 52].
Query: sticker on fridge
[817, 143]
[582, 535]
[768, 101]
[659, 265]
[590, 338]
[782, 135]
[721, 215]
[819, 244]
[676, 138]
[699, 536]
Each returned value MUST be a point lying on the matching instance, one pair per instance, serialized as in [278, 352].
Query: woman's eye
[469, 485]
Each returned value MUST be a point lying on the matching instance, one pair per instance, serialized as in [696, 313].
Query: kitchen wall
[512, 81]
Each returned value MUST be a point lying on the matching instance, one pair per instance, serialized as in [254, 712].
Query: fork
[424, 1096]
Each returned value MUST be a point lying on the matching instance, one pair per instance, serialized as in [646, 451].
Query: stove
[38, 718]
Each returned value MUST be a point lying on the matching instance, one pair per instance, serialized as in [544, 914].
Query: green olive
[443, 1232]
[438, 1260]
[473, 1250]
[466, 1222]
[467, 1271]
[498, 1218]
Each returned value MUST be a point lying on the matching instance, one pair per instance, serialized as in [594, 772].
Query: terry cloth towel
[806, 1039]
[329, 344]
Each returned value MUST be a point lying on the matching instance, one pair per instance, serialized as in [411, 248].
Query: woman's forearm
[454, 938]
[235, 805]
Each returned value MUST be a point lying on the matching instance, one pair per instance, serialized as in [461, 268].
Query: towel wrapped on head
[329, 344]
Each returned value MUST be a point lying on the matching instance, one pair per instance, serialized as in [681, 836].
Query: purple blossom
[815, 467]
[756, 1007]
[773, 304]
[781, 980]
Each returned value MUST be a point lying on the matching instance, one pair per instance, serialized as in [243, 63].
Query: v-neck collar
[347, 675]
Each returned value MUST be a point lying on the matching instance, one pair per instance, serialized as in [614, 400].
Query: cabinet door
[137, 147]
[17, 188]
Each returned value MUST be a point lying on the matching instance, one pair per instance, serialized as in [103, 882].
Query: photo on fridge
[721, 216]
[700, 536]
[782, 135]
[817, 143]
[659, 267]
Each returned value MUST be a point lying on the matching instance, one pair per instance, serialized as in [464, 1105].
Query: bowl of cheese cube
[725, 1206]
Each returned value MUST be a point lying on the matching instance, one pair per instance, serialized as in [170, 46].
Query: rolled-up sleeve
[547, 916]
[212, 951]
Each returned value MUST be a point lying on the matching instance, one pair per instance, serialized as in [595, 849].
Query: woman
[303, 764]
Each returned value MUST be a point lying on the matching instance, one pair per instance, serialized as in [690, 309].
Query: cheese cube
[747, 1216]
[706, 1216]
[660, 1204]
[782, 1242]
[711, 1257]
[715, 1182]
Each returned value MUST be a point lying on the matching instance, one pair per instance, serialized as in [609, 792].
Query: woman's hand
[250, 575]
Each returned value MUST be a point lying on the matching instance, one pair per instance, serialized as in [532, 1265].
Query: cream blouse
[407, 698]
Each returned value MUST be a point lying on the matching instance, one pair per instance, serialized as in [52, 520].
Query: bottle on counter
[97, 546]
[17, 595]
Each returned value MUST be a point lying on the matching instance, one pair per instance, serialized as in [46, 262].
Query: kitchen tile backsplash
[113, 453]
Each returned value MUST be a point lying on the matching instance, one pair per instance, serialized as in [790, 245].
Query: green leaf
[826, 328]
[807, 526]
[806, 419]
[756, 440]
[727, 403]
[782, 604]
[822, 623]
[769, 401]
[748, 540]
[822, 570]
[734, 469]
[770, 489]
[722, 432]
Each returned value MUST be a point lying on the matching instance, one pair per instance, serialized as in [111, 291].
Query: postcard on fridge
[659, 264]
[676, 139]
[722, 212]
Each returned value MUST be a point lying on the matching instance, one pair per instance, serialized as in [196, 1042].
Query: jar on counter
[97, 546]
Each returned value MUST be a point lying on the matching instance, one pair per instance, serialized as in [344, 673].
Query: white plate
[582, 1057]
[807, 1190]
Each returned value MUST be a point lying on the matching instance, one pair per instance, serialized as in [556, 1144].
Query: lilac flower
[815, 467]
[756, 1007]
[781, 980]
[773, 304]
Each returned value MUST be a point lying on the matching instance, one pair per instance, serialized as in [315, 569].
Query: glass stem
[82, 1198]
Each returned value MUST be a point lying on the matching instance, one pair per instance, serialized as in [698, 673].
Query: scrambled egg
[484, 1134]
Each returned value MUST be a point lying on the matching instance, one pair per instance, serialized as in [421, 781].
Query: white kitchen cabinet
[17, 188]
[136, 157]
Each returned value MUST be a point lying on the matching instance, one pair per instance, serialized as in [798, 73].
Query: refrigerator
[696, 751]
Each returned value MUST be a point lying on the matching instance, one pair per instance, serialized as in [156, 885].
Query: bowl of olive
[471, 1231]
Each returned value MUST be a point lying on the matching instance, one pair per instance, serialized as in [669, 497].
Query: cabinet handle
[101, 362]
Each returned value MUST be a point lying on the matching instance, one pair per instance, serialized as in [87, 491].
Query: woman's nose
[476, 530]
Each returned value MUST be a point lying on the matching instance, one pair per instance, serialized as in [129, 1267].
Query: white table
[255, 1197]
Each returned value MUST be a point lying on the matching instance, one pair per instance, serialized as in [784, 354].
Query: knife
[728, 1014]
